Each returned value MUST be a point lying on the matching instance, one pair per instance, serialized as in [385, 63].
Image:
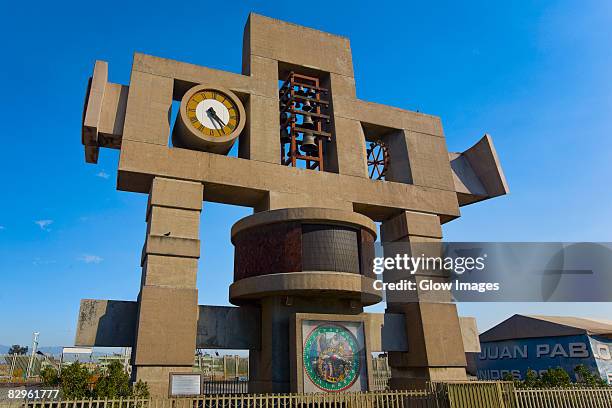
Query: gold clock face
[213, 113]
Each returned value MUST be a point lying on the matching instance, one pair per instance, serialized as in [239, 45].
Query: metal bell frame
[301, 96]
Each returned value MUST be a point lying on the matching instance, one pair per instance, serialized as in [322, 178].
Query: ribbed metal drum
[305, 252]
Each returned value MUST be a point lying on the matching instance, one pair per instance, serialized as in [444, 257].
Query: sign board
[77, 350]
[333, 356]
[514, 357]
[185, 384]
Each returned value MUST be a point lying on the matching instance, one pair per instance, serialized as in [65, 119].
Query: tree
[555, 377]
[77, 382]
[531, 380]
[140, 390]
[587, 378]
[74, 381]
[115, 383]
[558, 377]
[49, 377]
[18, 350]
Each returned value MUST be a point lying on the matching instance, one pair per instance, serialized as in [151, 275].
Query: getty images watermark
[404, 265]
[495, 271]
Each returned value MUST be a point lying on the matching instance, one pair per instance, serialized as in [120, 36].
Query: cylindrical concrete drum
[306, 252]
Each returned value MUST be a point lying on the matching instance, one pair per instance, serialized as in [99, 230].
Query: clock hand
[217, 118]
[213, 116]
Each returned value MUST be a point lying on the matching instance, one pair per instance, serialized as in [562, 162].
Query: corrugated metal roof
[533, 326]
[592, 326]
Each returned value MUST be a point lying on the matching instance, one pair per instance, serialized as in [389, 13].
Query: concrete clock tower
[319, 167]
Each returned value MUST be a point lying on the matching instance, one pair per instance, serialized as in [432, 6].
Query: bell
[309, 143]
[307, 107]
[307, 123]
[302, 91]
[284, 136]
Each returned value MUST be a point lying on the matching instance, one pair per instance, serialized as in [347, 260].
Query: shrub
[77, 382]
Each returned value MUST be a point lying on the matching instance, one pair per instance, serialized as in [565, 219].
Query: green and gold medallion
[331, 357]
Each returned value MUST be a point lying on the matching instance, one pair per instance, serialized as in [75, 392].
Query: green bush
[588, 378]
[77, 382]
[49, 377]
[115, 383]
[559, 378]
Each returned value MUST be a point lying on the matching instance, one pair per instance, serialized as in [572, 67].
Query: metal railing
[381, 380]
[439, 395]
[388, 399]
[478, 394]
[225, 387]
[564, 398]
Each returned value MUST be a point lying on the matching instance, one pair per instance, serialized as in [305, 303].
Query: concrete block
[429, 164]
[188, 75]
[277, 200]
[176, 193]
[93, 103]
[261, 138]
[298, 45]
[346, 154]
[173, 222]
[158, 378]
[149, 105]
[160, 161]
[227, 327]
[485, 163]
[106, 323]
[112, 116]
[264, 72]
[469, 334]
[170, 271]
[434, 337]
[410, 223]
[387, 332]
[171, 246]
[342, 86]
[166, 326]
[391, 117]
[399, 165]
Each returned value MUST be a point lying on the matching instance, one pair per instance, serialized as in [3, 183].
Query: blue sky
[537, 76]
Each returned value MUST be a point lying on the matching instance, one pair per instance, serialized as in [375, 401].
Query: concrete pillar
[168, 299]
[435, 345]
[269, 367]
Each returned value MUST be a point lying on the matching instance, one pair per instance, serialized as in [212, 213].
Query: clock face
[213, 113]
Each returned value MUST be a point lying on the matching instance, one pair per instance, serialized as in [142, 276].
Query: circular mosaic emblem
[331, 357]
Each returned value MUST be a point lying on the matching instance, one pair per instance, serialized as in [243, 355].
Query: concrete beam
[477, 173]
[106, 323]
[245, 182]
[111, 323]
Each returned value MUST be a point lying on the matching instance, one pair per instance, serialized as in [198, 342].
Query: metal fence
[564, 398]
[478, 394]
[447, 395]
[388, 399]
[225, 387]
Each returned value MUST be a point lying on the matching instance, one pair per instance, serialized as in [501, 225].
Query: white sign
[185, 384]
[77, 350]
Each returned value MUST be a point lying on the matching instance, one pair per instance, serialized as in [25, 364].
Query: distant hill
[50, 350]
[53, 350]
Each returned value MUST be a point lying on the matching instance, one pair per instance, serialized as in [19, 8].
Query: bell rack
[297, 93]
